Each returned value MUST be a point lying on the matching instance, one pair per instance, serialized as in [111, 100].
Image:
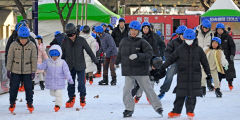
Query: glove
[133, 56]
[226, 68]
[71, 81]
[32, 76]
[231, 57]
[209, 77]
[9, 74]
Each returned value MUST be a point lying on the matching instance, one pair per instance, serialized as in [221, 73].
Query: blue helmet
[121, 20]
[94, 35]
[54, 52]
[23, 32]
[146, 24]
[38, 37]
[206, 23]
[220, 25]
[99, 29]
[111, 26]
[135, 25]
[81, 28]
[189, 34]
[181, 29]
[103, 24]
[159, 33]
[217, 39]
[56, 33]
[18, 25]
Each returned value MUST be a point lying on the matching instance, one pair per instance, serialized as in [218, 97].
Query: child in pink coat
[42, 55]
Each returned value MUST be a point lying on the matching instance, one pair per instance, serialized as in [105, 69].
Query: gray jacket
[108, 45]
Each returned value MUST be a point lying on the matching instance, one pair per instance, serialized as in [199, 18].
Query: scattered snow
[109, 105]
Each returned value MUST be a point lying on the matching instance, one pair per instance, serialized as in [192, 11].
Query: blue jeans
[169, 77]
[81, 83]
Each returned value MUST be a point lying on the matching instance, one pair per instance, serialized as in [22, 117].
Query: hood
[57, 47]
[86, 36]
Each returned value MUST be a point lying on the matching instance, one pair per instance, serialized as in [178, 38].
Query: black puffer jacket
[139, 66]
[189, 60]
[73, 53]
[118, 35]
[161, 44]
[153, 42]
[172, 46]
[229, 48]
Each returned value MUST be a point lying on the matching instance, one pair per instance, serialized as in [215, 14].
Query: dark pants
[99, 67]
[109, 62]
[190, 103]
[14, 85]
[221, 76]
[81, 83]
[169, 77]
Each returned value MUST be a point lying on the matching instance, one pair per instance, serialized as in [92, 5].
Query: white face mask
[189, 42]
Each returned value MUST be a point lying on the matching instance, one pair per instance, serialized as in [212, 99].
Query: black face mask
[70, 35]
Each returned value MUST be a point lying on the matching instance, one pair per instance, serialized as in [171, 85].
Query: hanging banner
[223, 19]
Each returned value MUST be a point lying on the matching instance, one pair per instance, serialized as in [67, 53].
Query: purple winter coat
[56, 71]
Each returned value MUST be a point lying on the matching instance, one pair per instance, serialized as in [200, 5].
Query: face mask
[189, 42]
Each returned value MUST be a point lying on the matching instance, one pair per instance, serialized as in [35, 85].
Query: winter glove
[231, 57]
[9, 74]
[209, 82]
[96, 61]
[32, 76]
[70, 81]
[133, 56]
[226, 67]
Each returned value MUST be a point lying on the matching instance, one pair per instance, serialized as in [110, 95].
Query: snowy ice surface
[109, 105]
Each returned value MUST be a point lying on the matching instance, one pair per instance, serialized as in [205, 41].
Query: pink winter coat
[42, 55]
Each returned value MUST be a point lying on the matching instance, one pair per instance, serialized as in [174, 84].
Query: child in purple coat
[57, 71]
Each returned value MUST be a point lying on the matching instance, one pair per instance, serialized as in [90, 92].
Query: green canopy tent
[95, 11]
[227, 12]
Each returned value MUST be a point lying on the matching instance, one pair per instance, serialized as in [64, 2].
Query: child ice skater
[57, 72]
[188, 57]
[217, 61]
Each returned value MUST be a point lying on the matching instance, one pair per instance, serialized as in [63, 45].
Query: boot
[173, 115]
[104, 81]
[127, 113]
[114, 81]
[218, 93]
[98, 74]
[30, 107]
[21, 88]
[87, 76]
[91, 80]
[190, 115]
[136, 99]
[82, 101]
[56, 108]
[42, 86]
[203, 91]
[159, 111]
[12, 107]
[209, 85]
[70, 103]
[230, 85]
